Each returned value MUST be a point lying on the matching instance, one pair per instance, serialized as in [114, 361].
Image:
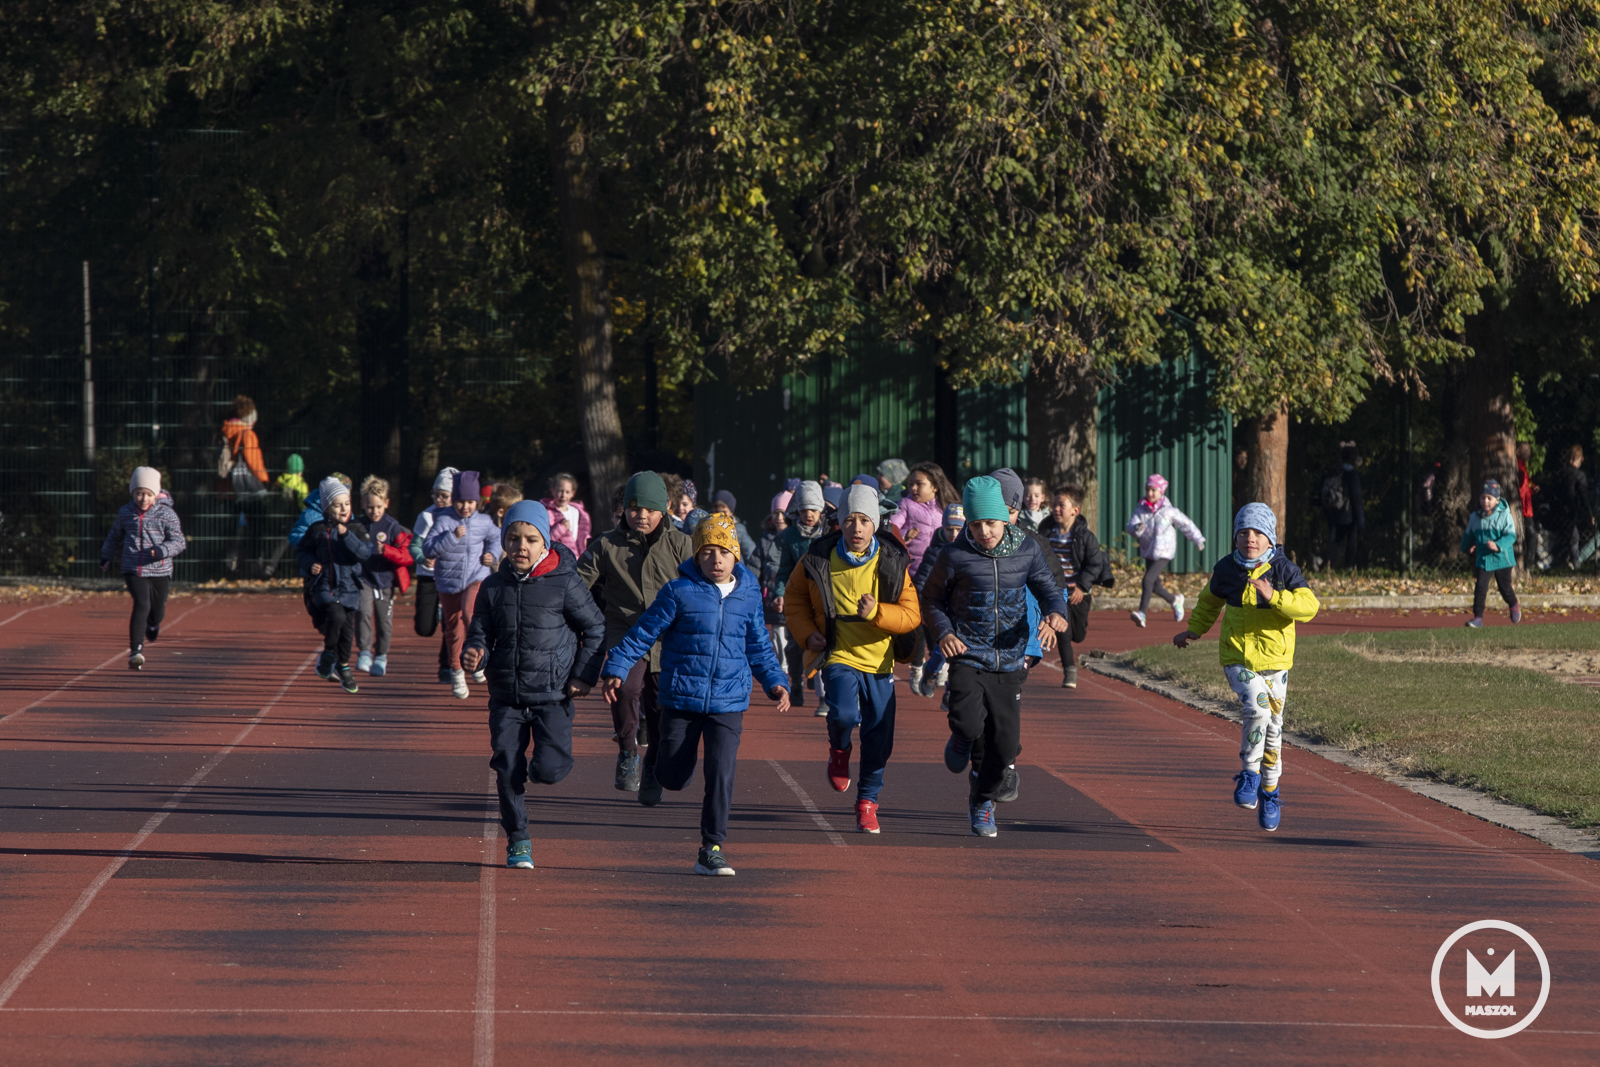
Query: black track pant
[149, 605]
[1077, 629]
[339, 632]
[986, 709]
[1480, 592]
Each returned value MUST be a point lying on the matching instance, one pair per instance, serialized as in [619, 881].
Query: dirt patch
[1569, 663]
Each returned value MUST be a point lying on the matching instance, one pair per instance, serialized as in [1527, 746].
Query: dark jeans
[510, 728]
[1343, 541]
[681, 732]
[1152, 583]
[1077, 628]
[338, 632]
[635, 706]
[1567, 540]
[856, 698]
[427, 618]
[986, 709]
[1480, 592]
[149, 605]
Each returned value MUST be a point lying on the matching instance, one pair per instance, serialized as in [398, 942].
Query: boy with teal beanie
[1488, 539]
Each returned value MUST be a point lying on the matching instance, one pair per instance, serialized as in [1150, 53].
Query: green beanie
[645, 490]
[982, 500]
[295, 465]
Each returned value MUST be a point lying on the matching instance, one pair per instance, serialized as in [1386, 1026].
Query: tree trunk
[598, 417]
[382, 334]
[1264, 476]
[1487, 411]
[1452, 488]
[1064, 431]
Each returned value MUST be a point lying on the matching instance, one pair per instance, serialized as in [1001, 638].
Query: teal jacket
[1497, 526]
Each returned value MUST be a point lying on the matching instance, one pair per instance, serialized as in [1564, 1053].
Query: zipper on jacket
[138, 548]
[716, 650]
[994, 645]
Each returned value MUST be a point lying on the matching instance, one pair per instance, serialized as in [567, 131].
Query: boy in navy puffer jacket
[333, 552]
[710, 626]
[974, 607]
[144, 538]
[536, 634]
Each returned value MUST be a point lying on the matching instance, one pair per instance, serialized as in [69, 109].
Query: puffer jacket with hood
[145, 541]
[1156, 529]
[563, 532]
[1255, 635]
[541, 631]
[983, 600]
[460, 558]
[1497, 526]
[343, 561]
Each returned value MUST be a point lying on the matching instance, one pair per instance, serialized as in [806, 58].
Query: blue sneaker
[1271, 812]
[1246, 784]
[325, 668]
[1475, 623]
[364, 662]
[380, 666]
[957, 754]
[982, 816]
[520, 854]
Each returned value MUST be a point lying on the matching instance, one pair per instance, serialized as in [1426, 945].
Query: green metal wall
[1159, 420]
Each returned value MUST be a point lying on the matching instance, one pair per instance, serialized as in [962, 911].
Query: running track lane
[317, 896]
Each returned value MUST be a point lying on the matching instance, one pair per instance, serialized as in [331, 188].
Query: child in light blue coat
[1489, 539]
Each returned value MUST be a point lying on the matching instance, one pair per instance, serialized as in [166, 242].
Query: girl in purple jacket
[144, 538]
[918, 519]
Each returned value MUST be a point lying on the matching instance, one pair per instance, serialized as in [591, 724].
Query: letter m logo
[1502, 983]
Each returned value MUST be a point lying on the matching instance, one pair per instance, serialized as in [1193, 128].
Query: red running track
[222, 859]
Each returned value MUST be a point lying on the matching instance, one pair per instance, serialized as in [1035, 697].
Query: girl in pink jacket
[918, 518]
[569, 522]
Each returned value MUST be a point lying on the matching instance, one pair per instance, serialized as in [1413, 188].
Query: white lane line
[53, 938]
[483, 1002]
[74, 681]
[37, 607]
[805, 799]
[1079, 1020]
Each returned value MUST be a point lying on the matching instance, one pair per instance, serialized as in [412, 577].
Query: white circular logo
[1483, 983]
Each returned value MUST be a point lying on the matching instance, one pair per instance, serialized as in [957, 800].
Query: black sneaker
[136, 660]
[347, 678]
[444, 676]
[649, 787]
[325, 667]
[710, 860]
[152, 632]
[1069, 678]
[1009, 786]
[628, 772]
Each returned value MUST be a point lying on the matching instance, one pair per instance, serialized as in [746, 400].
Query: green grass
[1520, 735]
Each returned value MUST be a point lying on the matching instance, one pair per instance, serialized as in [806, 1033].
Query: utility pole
[88, 373]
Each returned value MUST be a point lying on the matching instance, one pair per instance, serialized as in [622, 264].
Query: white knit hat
[145, 478]
[861, 499]
[445, 480]
[331, 489]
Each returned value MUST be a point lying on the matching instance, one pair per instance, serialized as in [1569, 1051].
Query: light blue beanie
[1257, 517]
[531, 512]
[982, 499]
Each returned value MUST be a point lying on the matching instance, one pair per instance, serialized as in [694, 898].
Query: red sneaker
[839, 768]
[866, 816]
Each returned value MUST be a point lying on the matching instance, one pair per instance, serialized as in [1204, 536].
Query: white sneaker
[1177, 607]
[458, 684]
[479, 677]
[1138, 618]
[916, 679]
[944, 677]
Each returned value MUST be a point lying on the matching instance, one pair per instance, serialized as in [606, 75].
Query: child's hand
[343, 529]
[431, 562]
[867, 608]
[487, 559]
[777, 604]
[783, 700]
[1264, 590]
[912, 533]
[1055, 622]
[460, 532]
[1182, 638]
[106, 566]
[1491, 546]
[609, 686]
[470, 658]
[316, 568]
[576, 688]
[1047, 637]
[1076, 596]
[952, 646]
[816, 642]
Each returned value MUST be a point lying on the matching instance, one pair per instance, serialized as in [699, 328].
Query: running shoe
[1138, 618]
[1009, 786]
[866, 816]
[957, 754]
[520, 854]
[380, 666]
[1516, 613]
[1069, 678]
[458, 684]
[325, 667]
[710, 860]
[1177, 607]
[1245, 786]
[136, 661]
[444, 675]
[628, 772]
[649, 786]
[915, 679]
[364, 662]
[1271, 811]
[347, 678]
[839, 768]
[1475, 623]
[479, 677]
[152, 631]
[982, 816]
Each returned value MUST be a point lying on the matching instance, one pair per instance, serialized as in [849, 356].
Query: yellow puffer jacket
[1257, 636]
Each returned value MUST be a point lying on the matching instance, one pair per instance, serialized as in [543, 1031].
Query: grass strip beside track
[1446, 704]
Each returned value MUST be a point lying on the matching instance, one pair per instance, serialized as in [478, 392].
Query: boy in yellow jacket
[1264, 595]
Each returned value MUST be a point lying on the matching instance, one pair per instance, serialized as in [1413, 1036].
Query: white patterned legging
[1261, 694]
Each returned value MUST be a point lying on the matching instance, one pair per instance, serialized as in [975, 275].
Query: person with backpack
[144, 539]
[849, 602]
[1339, 493]
[240, 465]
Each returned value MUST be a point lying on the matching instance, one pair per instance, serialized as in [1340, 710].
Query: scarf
[1010, 541]
[852, 558]
[1251, 564]
[809, 532]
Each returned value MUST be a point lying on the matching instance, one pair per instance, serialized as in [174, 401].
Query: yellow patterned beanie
[717, 530]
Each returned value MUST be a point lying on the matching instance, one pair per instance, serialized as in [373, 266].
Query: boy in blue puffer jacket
[975, 609]
[536, 632]
[711, 630]
[1488, 539]
[332, 552]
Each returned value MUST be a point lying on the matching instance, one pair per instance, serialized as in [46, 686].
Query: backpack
[225, 460]
[1334, 497]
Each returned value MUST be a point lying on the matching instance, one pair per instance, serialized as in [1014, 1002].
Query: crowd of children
[674, 611]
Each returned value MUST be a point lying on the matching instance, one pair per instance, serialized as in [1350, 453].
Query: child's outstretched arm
[1206, 610]
[636, 643]
[1190, 530]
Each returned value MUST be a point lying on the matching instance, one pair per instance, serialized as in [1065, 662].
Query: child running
[334, 551]
[144, 539]
[847, 601]
[428, 613]
[1083, 566]
[709, 625]
[1261, 595]
[1036, 507]
[569, 521]
[917, 519]
[807, 507]
[935, 672]
[1489, 541]
[536, 636]
[1152, 525]
[465, 544]
[974, 607]
[385, 575]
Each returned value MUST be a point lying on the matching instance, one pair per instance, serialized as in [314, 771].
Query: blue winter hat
[833, 495]
[531, 512]
[1491, 488]
[954, 516]
[865, 479]
[1257, 517]
[983, 500]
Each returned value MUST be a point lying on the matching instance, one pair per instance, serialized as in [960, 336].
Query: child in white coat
[1154, 525]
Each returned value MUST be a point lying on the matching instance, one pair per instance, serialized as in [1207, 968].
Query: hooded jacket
[1156, 529]
[144, 541]
[632, 570]
[793, 544]
[709, 643]
[809, 606]
[243, 443]
[342, 558]
[983, 601]
[1497, 526]
[1257, 636]
[540, 631]
[925, 519]
[575, 538]
[460, 557]
[1090, 560]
